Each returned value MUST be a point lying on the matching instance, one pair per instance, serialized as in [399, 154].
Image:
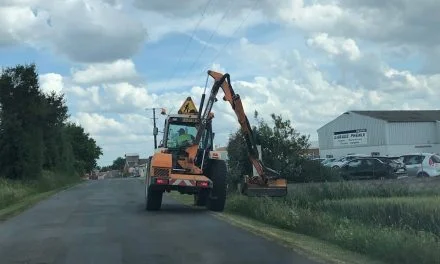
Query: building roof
[132, 158]
[221, 149]
[403, 115]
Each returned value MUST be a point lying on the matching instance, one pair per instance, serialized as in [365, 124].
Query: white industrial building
[381, 133]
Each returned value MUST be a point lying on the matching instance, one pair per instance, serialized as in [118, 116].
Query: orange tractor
[185, 160]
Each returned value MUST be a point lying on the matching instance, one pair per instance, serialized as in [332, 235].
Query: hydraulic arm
[269, 181]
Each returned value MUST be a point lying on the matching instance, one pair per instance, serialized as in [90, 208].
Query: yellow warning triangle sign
[188, 107]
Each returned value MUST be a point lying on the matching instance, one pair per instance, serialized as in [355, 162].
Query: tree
[238, 159]
[282, 148]
[22, 121]
[85, 149]
[118, 164]
[34, 134]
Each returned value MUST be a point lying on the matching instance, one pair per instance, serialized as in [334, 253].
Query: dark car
[371, 168]
[396, 163]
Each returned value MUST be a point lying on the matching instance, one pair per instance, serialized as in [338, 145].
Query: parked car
[422, 164]
[369, 168]
[342, 161]
[396, 163]
[326, 161]
[317, 159]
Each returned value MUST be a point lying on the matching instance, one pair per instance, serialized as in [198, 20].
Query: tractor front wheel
[201, 198]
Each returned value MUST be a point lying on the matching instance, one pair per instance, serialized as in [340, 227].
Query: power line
[189, 40]
[212, 35]
[256, 4]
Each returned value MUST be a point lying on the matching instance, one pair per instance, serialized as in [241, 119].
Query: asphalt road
[104, 221]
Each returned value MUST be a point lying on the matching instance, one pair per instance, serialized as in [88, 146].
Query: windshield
[181, 135]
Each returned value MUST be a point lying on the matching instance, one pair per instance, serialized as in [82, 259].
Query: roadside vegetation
[394, 221]
[40, 150]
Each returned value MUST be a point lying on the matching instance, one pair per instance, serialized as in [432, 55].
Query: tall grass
[15, 191]
[306, 195]
[394, 221]
[420, 214]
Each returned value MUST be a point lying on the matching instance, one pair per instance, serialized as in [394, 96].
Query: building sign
[350, 138]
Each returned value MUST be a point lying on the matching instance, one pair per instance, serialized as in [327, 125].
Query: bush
[12, 191]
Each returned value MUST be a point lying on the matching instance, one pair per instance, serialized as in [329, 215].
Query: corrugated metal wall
[412, 133]
[438, 131]
[376, 130]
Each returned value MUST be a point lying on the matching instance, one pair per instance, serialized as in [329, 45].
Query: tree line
[35, 134]
[118, 164]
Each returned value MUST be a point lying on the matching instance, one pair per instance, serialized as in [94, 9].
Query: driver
[183, 136]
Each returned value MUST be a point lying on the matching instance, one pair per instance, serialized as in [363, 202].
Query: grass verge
[313, 248]
[16, 196]
[390, 221]
[388, 244]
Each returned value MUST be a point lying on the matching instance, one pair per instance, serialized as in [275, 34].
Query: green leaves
[34, 134]
[282, 148]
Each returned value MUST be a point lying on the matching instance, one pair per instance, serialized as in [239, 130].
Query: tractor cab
[180, 131]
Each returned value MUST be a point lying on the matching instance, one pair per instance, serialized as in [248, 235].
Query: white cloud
[335, 46]
[81, 30]
[297, 88]
[117, 71]
[51, 82]
[365, 44]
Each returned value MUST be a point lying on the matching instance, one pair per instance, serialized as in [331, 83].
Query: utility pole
[155, 129]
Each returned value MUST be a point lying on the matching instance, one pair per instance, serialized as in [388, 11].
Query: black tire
[200, 199]
[217, 172]
[423, 175]
[153, 200]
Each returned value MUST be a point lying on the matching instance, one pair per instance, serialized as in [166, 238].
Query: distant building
[381, 133]
[223, 152]
[141, 168]
[313, 150]
[131, 161]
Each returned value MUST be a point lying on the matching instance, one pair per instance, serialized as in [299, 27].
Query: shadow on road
[174, 209]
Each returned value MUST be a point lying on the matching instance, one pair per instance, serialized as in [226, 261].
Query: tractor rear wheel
[217, 173]
[153, 200]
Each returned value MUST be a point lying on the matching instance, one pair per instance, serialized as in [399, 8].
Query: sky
[308, 61]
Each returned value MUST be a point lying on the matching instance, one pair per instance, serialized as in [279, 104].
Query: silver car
[422, 164]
